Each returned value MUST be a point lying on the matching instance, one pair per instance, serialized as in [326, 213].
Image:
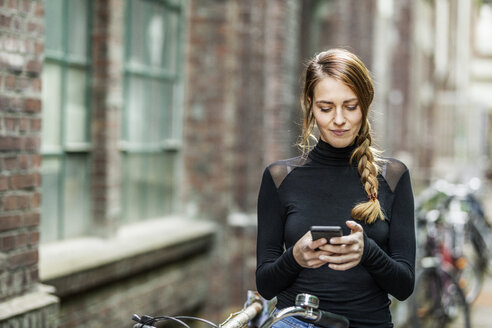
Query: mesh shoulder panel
[392, 170]
[280, 169]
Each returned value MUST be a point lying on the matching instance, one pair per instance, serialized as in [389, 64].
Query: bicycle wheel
[456, 309]
[427, 308]
[470, 277]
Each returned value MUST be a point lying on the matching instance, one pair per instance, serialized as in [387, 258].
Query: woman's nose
[339, 117]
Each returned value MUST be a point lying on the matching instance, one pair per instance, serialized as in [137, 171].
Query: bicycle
[469, 234]
[259, 313]
[438, 299]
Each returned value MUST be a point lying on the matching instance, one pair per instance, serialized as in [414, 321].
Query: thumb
[354, 226]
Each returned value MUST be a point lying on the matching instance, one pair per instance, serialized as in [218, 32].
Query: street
[481, 309]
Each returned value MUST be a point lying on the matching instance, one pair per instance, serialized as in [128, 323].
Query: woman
[342, 181]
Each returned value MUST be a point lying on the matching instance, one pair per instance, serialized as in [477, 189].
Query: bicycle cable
[146, 319]
[198, 319]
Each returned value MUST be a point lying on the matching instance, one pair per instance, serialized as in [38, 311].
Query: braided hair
[349, 69]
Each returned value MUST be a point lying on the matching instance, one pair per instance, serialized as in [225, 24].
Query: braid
[368, 169]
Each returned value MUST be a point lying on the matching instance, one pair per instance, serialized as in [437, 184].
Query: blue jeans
[292, 322]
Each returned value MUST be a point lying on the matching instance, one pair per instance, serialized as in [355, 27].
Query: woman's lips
[339, 133]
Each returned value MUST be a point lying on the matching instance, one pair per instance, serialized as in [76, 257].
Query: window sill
[35, 301]
[83, 263]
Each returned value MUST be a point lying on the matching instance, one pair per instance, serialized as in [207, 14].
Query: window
[65, 135]
[483, 29]
[151, 129]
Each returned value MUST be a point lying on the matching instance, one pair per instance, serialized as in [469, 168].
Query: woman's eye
[353, 107]
[325, 109]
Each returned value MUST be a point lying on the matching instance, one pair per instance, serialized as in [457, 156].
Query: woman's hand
[307, 252]
[346, 251]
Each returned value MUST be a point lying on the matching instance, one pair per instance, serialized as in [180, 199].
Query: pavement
[481, 309]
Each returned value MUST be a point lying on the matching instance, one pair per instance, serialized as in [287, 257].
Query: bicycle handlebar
[306, 307]
[328, 319]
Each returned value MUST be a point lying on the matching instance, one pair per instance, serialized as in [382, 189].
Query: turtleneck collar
[325, 153]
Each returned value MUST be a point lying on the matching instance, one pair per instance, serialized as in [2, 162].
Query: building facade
[134, 133]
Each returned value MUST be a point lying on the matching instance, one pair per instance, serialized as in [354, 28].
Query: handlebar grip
[141, 325]
[328, 319]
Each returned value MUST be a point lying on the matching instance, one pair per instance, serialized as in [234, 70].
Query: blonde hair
[349, 69]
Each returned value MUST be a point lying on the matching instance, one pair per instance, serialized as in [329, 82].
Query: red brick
[21, 240]
[10, 44]
[32, 105]
[5, 21]
[17, 24]
[37, 179]
[31, 143]
[34, 238]
[36, 200]
[16, 181]
[36, 161]
[26, 6]
[7, 243]
[4, 103]
[39, 48]
[10, 203]
[36, 84]
[29, 181]
[23, 202]
[23, 161]
[23, 259]
[34, 66]
[10, 143]
[23, 83]
[24, 124]
[10, 222]
[34, 274]
[10, 162]
[31, 219]
[39, 11]
[4, 185]
[10, 82]
[35, 28]
[12, 4]
[35, 125]
[10, 123]
[16, 104]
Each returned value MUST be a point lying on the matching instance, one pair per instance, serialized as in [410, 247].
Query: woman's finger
[317, 243]
[343, 267]
[341, 259]
[354, 226]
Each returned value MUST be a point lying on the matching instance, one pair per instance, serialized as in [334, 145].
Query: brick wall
[107, 80]
[241, 96]
[242, 65]
[21, 56]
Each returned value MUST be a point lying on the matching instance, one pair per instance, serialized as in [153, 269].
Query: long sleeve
[276, 269]
[395, 272]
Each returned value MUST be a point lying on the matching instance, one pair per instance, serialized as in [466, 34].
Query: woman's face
[337, 112]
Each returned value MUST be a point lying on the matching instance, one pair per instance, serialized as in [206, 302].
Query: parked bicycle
[260, 313]
[468, 233]
[438, 299]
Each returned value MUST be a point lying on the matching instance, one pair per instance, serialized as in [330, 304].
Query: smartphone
[326, 232]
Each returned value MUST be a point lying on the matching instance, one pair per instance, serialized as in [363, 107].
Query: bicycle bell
[307, 301]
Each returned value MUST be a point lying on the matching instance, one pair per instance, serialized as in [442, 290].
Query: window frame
[65, 60]
[166, 145]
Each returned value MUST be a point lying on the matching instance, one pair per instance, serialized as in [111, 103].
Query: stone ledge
[19, 306]
[84, 263]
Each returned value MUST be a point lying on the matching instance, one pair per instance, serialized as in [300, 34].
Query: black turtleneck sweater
[322, 190]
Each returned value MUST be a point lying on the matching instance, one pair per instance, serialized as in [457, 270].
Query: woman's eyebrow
[332, 103]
